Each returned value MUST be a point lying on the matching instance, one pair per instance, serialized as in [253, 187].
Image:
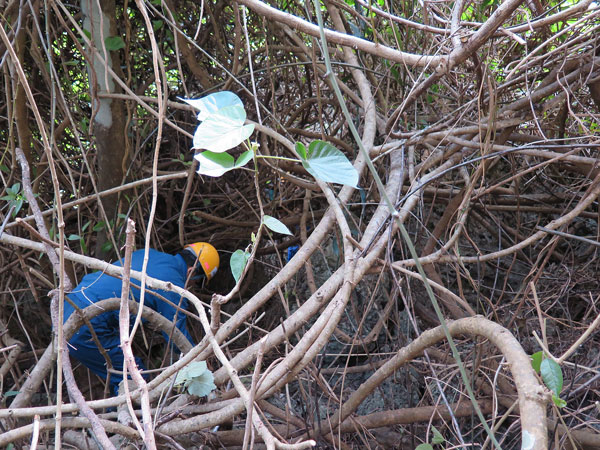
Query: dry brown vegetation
[480, 118]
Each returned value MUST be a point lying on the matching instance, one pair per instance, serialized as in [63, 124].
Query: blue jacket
[99, 286]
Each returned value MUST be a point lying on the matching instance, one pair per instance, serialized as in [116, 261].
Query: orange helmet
[207, 255]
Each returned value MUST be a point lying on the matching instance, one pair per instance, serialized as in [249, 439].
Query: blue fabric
[99, 286]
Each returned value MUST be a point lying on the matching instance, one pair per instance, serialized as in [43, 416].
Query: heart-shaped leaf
[212, 103]
[326, 163]
[238, 261]
[275, 225]
[216, 164]
[223, 130]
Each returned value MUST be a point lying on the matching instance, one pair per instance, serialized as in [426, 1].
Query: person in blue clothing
[200, 258]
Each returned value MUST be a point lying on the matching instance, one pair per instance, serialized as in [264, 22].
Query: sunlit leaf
[558, 401]
[223, 130]
[326, 163]
[216, 164]
[552, 375]
[275, 225]
[214, 102]
[238, 261]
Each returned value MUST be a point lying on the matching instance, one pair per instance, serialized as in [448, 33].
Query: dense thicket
[480, 118]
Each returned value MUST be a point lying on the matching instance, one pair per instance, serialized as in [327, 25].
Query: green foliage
[424, 447]
[222, 115]
[326, 163]
[238, 261]
[275, 225]
[551, 374]
[216, 164]
[437, 436]
[196, 379]
[536, 361]
[114, 43]
[14, 197]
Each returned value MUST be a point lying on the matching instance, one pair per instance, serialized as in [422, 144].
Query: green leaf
[4, 168]
[202, 386]
[196, 369]
[223, 130]
[437, 436]
[214, 102]
[558, 401]
[326, 163]
[73, 237]
[157, 24]
[238, 261]
[11, 393]
[424, 447]
[552, 375]
[301, 150]
[275, 225]
[114, 43]
[536, 361]
[18, 204]
[244, 158]
[182, 377]
[216, 164]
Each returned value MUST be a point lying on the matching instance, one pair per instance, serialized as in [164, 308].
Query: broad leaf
[196, 369]
[552, 375]
[326, 163]
[223, 130]
[275, 225]
[202, 386]
[424, 447]
[214, 102]
[196, 378]
[216, 164]
[114, 43]
[238, 261]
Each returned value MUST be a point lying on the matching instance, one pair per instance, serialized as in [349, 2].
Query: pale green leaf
[437, 436]
[182, 377]
[223, 130]
[552, 375]
[326, 163]
[196, 369]
[424, 447]
[275, 225]
[238, 261]
[212, 103]
[202, 386]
